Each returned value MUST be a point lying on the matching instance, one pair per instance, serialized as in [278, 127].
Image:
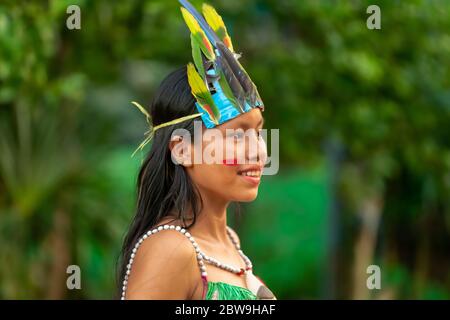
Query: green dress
[226, 291]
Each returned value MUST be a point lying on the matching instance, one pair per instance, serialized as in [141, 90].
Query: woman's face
[233, 156]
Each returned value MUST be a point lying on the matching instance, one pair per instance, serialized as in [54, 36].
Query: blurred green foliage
[381, 97]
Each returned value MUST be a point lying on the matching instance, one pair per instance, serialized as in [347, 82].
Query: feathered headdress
[221, 86]
[219, 83]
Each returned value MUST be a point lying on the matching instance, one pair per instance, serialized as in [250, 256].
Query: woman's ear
[180, 150]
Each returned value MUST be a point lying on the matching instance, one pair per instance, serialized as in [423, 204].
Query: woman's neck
[211, 222]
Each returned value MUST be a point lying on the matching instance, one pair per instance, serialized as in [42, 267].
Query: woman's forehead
[250, 119]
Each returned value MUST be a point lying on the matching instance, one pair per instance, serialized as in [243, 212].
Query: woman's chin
[248, 195]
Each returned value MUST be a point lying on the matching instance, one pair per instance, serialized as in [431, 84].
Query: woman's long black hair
[163, 188]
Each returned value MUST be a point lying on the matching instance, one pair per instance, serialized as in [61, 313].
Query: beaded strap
[238, 271]
[156, 230]
[201, 257]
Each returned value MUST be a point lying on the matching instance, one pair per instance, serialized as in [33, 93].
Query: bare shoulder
[164, 267]
[167, 245]
[235, 235]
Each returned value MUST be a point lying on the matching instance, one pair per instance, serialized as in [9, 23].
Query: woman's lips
[253, 171]
[254, 181]
[251, 174]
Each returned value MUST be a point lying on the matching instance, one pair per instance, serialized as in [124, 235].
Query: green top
[226, 291]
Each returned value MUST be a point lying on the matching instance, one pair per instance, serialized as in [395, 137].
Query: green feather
[205, 98]
[198, 34]
[201, 92]
[197, 55]
[200, 39]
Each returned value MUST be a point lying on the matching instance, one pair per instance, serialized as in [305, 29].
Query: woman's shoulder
[167, 243]
[164, 266]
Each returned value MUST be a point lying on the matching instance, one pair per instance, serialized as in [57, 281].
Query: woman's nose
[256, 149]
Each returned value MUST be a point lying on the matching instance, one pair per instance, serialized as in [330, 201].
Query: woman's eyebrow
[244, 124]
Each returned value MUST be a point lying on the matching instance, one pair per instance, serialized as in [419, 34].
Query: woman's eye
[238, 135]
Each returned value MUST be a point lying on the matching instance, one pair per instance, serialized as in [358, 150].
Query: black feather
[233, 82]
[251, 93]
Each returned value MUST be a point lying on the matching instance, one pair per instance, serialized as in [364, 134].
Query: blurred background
[364, 119]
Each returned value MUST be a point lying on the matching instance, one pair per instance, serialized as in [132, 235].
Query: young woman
[179, 245]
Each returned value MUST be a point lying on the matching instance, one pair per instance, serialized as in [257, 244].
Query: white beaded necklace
[200, 255]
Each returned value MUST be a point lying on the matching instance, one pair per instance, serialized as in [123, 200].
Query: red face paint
[230, 162]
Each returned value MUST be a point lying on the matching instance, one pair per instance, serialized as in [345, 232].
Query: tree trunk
[60, 256]
[370, 212]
